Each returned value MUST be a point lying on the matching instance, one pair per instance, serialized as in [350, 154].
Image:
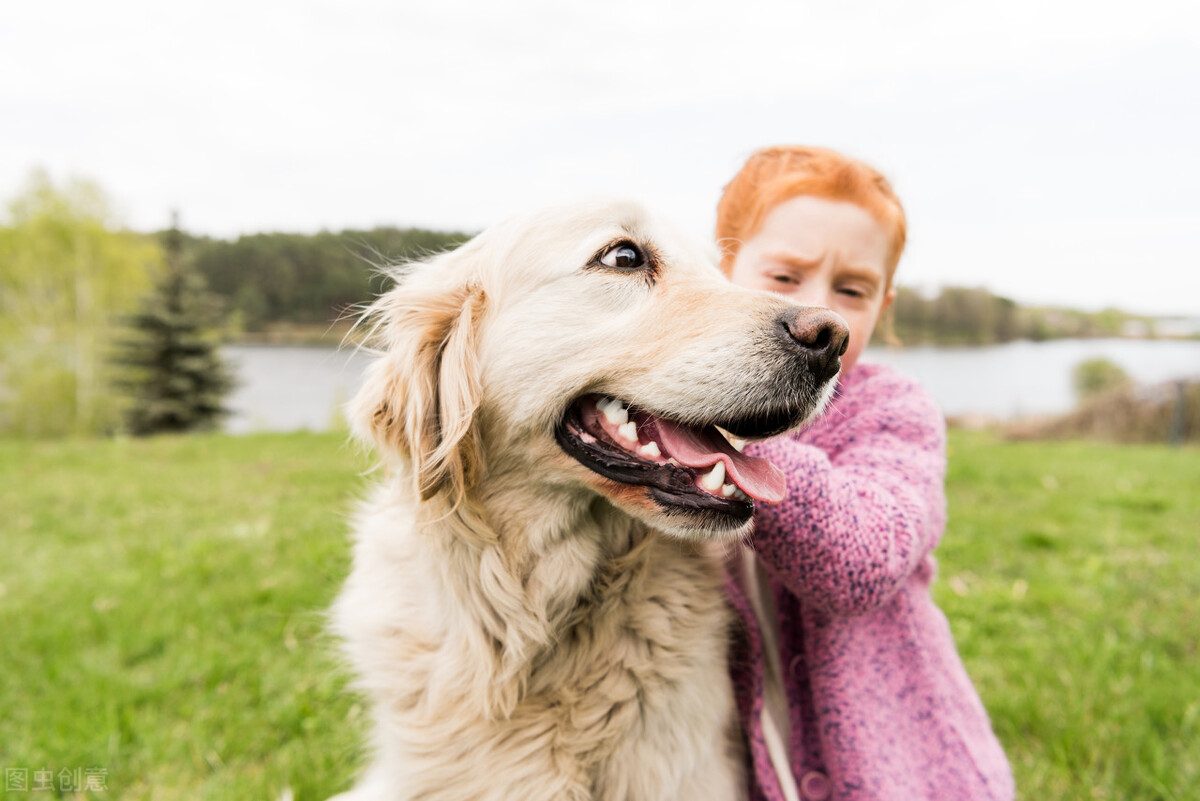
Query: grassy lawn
[1070, 577]
[161, 613]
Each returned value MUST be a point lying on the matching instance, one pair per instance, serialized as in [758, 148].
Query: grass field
[161, 614]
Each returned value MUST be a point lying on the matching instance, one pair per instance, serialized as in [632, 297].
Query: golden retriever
[532, 612]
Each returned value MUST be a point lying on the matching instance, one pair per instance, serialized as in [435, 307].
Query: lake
[288, 388]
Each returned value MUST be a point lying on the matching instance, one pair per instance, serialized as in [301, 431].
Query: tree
[175, 374]
[67, 273]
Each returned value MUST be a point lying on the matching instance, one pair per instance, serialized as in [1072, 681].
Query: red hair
[775, 174]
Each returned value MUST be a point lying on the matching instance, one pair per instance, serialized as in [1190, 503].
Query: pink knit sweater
[879, 704]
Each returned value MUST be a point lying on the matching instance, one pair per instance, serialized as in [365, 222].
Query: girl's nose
[813, 296]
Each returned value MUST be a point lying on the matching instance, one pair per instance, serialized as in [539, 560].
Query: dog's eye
[623, 256]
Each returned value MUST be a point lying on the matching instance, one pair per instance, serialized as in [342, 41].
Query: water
[290, 388]
[286, 388]
[1022, 379]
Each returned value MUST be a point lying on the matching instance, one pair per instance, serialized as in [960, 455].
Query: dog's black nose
[820, 335]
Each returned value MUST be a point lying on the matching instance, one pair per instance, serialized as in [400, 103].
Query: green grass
[1070, 577]
[161, 613]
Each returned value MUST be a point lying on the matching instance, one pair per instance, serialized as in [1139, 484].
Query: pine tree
[176, 377]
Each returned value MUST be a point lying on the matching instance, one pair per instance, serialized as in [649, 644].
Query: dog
[535, 608]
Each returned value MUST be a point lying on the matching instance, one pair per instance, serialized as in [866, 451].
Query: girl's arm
[858, 519]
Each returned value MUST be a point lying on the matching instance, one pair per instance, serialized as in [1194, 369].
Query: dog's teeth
[741, 496]
[628, 431]
[650, 449]
[713, 480]
[728, 489]
[738, 444]
[614, 411]
[671, 460]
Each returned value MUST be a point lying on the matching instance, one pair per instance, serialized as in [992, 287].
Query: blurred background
[191, 199]
[1045, 152]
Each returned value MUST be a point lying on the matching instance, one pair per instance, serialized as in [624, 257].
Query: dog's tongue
[702, 448]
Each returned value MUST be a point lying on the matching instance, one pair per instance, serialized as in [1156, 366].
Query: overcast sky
[1046, 150]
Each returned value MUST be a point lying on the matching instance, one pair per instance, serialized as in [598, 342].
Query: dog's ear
[419, 399]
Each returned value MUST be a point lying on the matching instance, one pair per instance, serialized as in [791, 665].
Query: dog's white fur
[523, 627]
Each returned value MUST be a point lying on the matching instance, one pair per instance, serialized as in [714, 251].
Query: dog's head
[593, 350]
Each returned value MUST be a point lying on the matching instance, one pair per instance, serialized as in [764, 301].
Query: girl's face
[822, 253]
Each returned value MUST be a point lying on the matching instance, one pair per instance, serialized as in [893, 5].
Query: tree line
[305, 278]
[314, 279]
[974, 316]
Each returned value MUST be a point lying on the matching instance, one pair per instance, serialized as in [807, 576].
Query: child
[848, 681]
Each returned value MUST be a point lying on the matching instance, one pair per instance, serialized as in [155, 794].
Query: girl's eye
[785, 279]
[623, 256]
[852, 292]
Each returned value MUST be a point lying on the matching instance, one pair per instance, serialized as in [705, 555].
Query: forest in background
[974, 316]
[274, 281]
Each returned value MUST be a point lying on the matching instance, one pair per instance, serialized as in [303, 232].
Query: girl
[848, 681]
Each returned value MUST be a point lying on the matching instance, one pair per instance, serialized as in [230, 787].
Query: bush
[1159, 413]
[1096, 377]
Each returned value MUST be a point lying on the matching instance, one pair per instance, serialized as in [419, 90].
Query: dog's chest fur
[638, 680]
[621, 690]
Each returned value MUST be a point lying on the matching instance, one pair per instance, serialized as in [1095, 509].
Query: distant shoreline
[298, 334]
[341, 333]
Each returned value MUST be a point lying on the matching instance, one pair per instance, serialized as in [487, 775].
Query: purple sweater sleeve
[866, 499]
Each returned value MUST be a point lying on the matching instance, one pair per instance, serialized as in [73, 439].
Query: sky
[1049, 151]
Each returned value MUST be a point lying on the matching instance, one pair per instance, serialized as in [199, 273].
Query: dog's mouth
[685, 467]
